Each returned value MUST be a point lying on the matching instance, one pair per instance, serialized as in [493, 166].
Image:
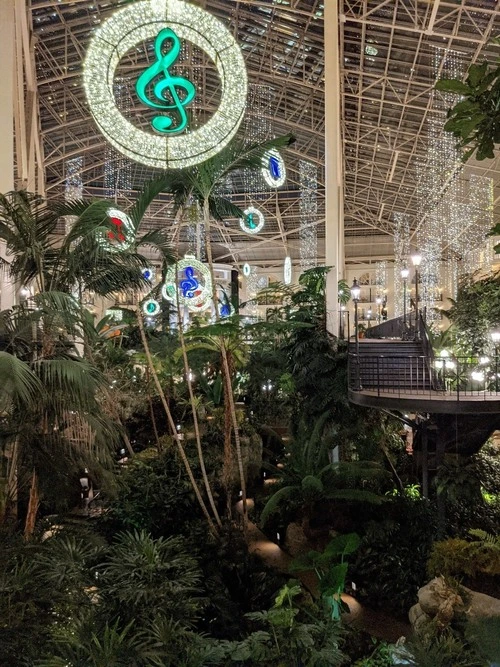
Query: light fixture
[405, 273]
[151, 20]
[247, 270]
[355, 290]
[273, 168]
[148, 273]
[253, 220]
[416, 259]
[151, 307]
[477, 376]
[495, 336]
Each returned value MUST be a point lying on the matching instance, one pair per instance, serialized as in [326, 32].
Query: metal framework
[387, 49]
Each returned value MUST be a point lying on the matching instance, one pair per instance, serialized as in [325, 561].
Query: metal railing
[456, 378]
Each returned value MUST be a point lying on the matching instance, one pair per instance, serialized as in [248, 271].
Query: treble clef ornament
[166, 90]
[190, 284]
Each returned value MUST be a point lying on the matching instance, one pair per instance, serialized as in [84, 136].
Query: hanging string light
[73, 187]
[401, 258]
[308, 211]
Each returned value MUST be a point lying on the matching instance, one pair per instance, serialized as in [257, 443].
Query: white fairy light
[287, 271]
[273, 168]
[401, 261]
[248, 224]
[308, 208]
[141, 22]
[73, 187]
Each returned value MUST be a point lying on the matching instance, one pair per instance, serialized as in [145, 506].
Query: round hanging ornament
[253, 220]
[164, 26]
[121, 233]
[188, 282]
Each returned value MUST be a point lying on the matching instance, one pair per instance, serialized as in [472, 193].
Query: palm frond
[20, 384]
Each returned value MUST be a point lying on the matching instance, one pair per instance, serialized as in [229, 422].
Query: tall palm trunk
[173, 429]
[195, 420]
[8, 500]
[227, 373]
[196, 427]
[33, 505]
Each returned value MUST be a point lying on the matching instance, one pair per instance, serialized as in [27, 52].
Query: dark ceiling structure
[392, 52]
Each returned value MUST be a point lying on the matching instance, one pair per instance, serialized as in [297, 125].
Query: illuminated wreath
[193, 281]
[151, 307]
[121, 233]
[247, 270]
[149, 273]
[149, 20]
[253, 220]
[273, 168]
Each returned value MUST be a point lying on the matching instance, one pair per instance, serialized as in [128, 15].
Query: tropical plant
[308, 477]
[330, 567]
[51, 404]
[455, 557]
[202, 184]
[475, 119]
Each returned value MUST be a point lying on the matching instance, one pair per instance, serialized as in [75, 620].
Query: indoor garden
[192, 487]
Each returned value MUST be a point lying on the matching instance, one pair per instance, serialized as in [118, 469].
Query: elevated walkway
[403, 374]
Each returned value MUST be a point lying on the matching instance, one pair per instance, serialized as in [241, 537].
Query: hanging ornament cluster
[194, 283]
[273, 168]
[253, 220]
[121, 233]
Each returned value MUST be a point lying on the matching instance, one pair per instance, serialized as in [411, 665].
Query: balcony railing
[400, 375]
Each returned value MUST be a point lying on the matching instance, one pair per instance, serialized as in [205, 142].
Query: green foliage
[446, 649]
[456, 557]
[391, 561]
[475, 313]
[381, 656]
[475, 119]
[307, 476]
[330, 567]
[292, 636]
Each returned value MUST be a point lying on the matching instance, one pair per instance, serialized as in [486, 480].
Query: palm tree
[201, 183]
[50, 405]
[225, 336]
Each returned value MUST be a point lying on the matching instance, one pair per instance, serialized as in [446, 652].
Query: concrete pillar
[334, 210]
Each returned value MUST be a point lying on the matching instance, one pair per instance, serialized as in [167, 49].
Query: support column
[7, 30]
[334, 207]
[7, 95]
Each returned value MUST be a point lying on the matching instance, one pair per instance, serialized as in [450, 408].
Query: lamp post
[355, 294]
[379, 306]
[416, 259]
[404, 275]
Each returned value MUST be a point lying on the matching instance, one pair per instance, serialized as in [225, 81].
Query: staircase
[392, 365]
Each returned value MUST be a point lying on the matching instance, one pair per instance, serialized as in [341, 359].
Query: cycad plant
[307, 476]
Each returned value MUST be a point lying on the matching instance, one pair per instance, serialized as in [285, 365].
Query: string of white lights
[73, 187]
[308, 210]
[401, 259]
